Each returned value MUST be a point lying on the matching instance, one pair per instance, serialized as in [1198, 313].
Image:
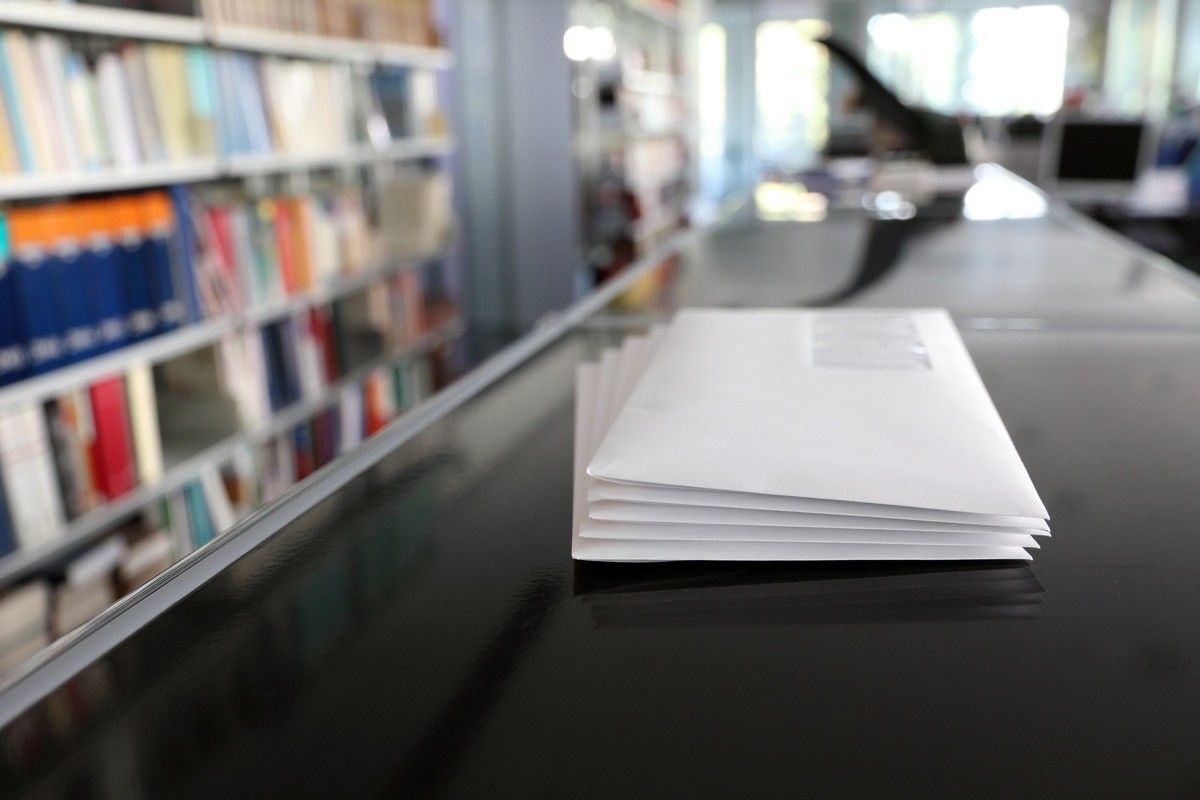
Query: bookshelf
[306, 255]
[24, 562]
[76, 18]
[132, 24]
[632, 138]
[202, 334]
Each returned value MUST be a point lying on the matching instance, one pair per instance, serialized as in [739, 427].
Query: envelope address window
[867, 341]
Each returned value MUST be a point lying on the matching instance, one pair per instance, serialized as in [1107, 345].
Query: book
[156, 218]
[116, 107]
[71, 436]
[33, 281]
[50, 67]
[135, 252]
[24, 622]
[68, 263]
[166, 71]
[104, 278]
[143, 414]
[216, 498]
[178, 525]
[33, 102]
[112, 454]
[15, 112]
[27, 466]
[146, 126]
[12, 341]
[302, 444]
[10, 158]
[76, 604]
[148, 555]
[205, 123]
[83, 115]
[199, 522]
[8, 536]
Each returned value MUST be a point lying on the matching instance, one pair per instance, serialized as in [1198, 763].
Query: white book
[350, 410]
[219, 508]
[143, 418]
[137, 79]
[92, 147]
[117, 109]
[50, 55]
[27, 462]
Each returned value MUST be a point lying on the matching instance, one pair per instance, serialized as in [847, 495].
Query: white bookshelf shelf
[53, 184]
[125, 23]
[61, 184]
[167, 346]
[414, 56]
[287, 43]
[75, 18]
[94, 524]
[657, 11]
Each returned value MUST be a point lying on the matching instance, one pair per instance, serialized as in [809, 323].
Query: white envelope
[603, 385]
[654, 513]
[880, 407]
[631, 493]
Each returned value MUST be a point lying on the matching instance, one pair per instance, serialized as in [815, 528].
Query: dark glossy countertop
[424, 632]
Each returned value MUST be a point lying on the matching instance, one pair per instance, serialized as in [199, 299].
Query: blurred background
[239, 238]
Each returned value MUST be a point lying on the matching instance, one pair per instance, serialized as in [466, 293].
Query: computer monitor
[1094, 158]
[1100, 151]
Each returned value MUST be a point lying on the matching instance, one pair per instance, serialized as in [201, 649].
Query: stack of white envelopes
[763, 435]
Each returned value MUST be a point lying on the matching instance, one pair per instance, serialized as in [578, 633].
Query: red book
[218, 223]
[322, 328]
[375, 418]
[111, 453]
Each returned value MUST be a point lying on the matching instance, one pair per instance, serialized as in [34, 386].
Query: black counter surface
[424, 632]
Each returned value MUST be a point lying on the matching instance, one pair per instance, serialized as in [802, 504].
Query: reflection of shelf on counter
[94, 524]
[167, 346]
[131, 24]
[53, 184]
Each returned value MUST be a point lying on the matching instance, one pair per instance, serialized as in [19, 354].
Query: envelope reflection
[668, 595]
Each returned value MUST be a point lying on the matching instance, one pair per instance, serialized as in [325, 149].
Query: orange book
[298, 221]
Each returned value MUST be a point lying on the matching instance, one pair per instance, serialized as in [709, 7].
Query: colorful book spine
[8, 535]
[12, 350]
[199, 521]
[33, 279]
[112, 453]
[103, 276]
[27, 466]
[68, 265]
